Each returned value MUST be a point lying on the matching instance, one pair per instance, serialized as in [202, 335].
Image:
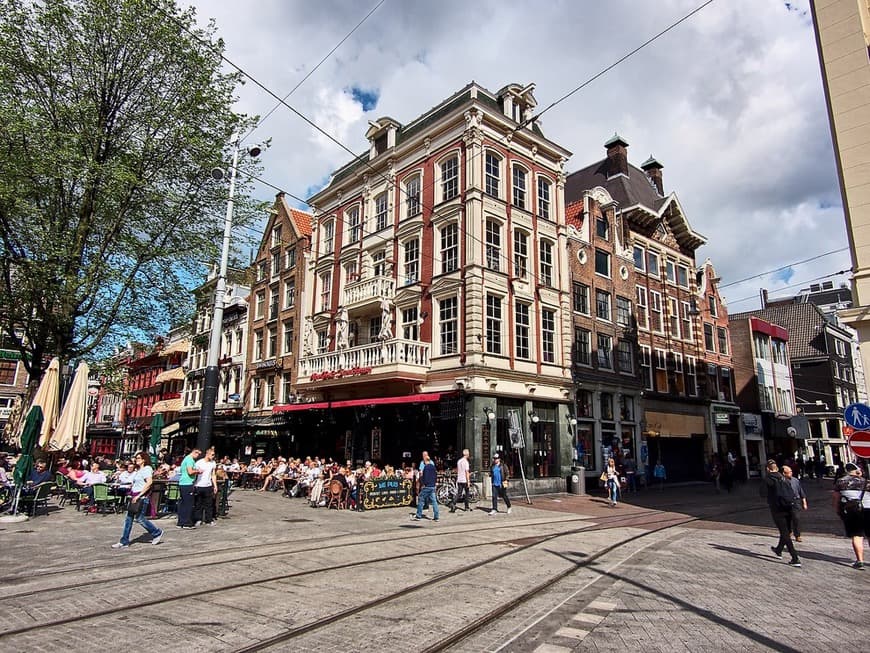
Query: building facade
[438, 295]
[678, 320]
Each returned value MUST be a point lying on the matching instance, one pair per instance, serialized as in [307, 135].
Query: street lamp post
[212, 370]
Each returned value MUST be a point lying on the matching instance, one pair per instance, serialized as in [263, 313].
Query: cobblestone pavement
[275, 564]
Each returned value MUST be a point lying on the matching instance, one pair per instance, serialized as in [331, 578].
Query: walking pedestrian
[660, 474]
[462, 481]
[140, 491]
[852, 504]
[205, 489]
[188, 472]
[612, 482]
[800, 502]
[780, 499]
[499, 475]
[630, 469]
[428, 480]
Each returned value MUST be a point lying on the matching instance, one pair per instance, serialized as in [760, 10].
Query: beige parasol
[46, 397]
[70, 430]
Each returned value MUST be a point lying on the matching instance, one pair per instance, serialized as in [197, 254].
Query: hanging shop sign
[340, 374]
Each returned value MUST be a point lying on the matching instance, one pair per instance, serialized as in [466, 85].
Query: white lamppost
[212, 371]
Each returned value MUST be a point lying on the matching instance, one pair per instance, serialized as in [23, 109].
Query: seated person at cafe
[63, 466]
[75, 471]
[273, 481]
[87, 481]
[39, 474]
[125, 478]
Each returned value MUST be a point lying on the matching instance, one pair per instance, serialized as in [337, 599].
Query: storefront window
[627, 408]
[606, 405]
[543, 440]
[583, 445]
[584, 403]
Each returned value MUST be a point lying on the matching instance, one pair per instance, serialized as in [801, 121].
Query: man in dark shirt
[39, 474]
[428, 480]
[781, 514]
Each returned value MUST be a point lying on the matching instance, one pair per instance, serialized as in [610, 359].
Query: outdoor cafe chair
[59, 489]
[38, 498]
[102, 498]
[171, 498]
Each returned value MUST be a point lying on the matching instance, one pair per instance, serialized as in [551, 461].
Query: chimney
[617, 156]
[763, 298]
[653, 170]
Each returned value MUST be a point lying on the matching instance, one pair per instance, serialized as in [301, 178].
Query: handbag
[852, 507]
[603, 477]
[134, 507]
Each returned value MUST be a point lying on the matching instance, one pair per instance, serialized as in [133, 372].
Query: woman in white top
[139, 502]
[612, 482]
[205, 489]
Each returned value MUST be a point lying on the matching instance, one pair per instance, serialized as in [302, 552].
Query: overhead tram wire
[784, 267]
[793, 285]
[312, 71]
[368, 165]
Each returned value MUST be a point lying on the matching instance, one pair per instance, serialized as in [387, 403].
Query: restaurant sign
[340, 374]
[386, 493]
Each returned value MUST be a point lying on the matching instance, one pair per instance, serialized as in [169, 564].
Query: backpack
[785, 496]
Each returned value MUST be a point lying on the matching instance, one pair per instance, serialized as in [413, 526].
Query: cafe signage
[340, 374]
[386, 493]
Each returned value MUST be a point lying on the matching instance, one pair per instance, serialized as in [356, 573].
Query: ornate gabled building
[274, 317]
[438, 310]
[686, 380]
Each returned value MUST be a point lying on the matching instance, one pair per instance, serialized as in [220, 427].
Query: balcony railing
[364, 290]
[364, 359]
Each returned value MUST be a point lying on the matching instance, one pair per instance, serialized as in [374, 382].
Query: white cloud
[730, 101]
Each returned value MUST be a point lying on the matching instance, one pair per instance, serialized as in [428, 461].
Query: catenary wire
[793, 285]
[784, 267]
[312, 71]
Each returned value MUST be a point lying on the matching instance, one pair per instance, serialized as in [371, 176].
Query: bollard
[486, 490]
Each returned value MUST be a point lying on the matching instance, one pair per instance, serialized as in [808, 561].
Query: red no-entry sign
[859, 443]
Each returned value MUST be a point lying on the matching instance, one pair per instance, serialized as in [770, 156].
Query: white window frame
[519, 187]
[494, 324]
[411, 261]
[413, 195]
[608, 274]
[492, 174]
[328, 240]
[492, 244]
[655, 306]
[354, 226]
[449, 185]
[521, 254]
[326, 290]
[548, 335]
[545, 193]
[449, 247]
[635, 250]
[448, 326]
[381, 212]
[522, 330]
[545, 256]
[642, 304]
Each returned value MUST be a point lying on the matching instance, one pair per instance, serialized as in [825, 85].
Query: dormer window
[381, 135]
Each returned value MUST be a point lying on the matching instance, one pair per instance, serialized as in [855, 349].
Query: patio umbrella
[70, 430]
[32, 426]
[47, 399]
[156, 432]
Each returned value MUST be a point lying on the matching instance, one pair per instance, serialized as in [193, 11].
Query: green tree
[112, 114]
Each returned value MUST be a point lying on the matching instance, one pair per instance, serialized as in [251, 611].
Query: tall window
[276, 236]
[286, 388]
[711, 302]
[655, 305]
[449, 322]
[374, 328]
[276, 264]
[412, 196]
[450, 178]
[605, 351]
[493, 174]
[602, 263]
[543, 198]
[546, 256]
[639, 259]
[602, 304]
[410, 324]
[624, 356]
[582, 352]
[379, 264]
[708, 337]
[290, 258]
[493, 245]
[259, 304]
[623, 311]
[257, 393]
[722, 336]
[350, 272]
[646, 366]
[642, 309]
[322, 341]
[674, 317]
[258, 345]
[521, 254]
[602, 227]
[289, 293]
[652, 264]
[450, 247]
[548, 335]
[686, 319]
[493, 324]
[353, 225]
[412, 261]
[661, 361]
[691, 377]
[519, 187]
[272, 343]
[270, 391]
[381, 212]
[273, 303]
[581, 298]
[328, 236]
[522, 330]
[671, 271]
[288, 335]
[683, 276]
[326, 291]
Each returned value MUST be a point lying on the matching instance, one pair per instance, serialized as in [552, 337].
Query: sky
[730, 102]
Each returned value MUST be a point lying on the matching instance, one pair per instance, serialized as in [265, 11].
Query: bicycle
[447, 487]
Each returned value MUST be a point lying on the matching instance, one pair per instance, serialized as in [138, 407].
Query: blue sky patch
[365, 97]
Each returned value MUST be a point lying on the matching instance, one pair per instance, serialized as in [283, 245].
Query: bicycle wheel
[444, 494]
[473, 493]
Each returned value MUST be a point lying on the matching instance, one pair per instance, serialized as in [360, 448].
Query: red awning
[286, 408]
[407, 399]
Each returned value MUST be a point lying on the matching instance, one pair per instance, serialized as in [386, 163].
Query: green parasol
[32, 428]
[156, 432]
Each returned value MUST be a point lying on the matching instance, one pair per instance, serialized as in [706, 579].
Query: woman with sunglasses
[140, 492]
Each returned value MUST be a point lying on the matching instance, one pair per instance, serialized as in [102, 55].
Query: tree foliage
[112, 114]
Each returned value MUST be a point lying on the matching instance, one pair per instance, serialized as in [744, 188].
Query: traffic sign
[857, 416]
[859, 443]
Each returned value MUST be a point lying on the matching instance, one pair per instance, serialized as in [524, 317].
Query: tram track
[612, 522]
